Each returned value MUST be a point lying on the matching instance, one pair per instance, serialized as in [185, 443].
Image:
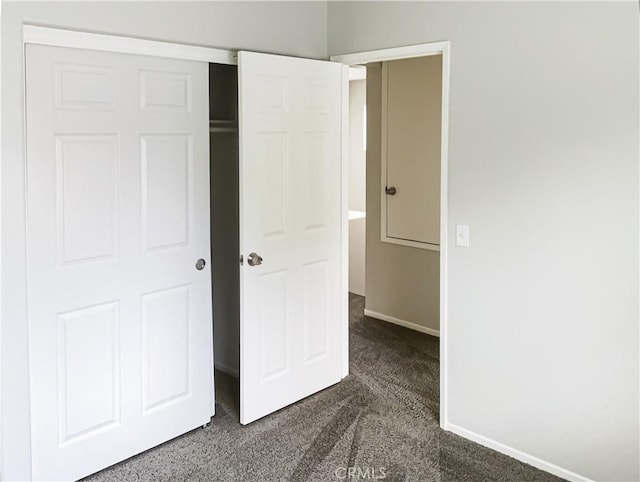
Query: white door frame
[423, 50]
[32, 34]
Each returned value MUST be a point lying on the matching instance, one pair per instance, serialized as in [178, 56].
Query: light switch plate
[462, 235]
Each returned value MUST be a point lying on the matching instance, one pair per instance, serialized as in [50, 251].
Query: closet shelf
[223, 126]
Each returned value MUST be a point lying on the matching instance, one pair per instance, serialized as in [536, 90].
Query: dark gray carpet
[382, 419]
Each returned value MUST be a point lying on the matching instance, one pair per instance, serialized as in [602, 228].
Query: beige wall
[542, 340]
[292, 28]
[401, 282]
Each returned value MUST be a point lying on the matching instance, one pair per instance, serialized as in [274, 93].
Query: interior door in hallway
[120, 336]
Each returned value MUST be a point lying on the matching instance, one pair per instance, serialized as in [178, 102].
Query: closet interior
[225, 249]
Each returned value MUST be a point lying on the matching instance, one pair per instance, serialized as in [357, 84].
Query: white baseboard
[517, 454]
[229, 370]
[398, 321]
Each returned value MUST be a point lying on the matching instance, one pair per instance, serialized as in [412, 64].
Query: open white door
[291, 331]
[120, 329]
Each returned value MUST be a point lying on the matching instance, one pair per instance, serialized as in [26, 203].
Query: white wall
[357, 185]
[294, 28]
[542, 341]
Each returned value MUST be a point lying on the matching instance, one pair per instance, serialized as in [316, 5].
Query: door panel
[88, 342]
[315, 313]
[290, 163]
[166, 164]
[87, 191]
[120, 334]
[165, 347]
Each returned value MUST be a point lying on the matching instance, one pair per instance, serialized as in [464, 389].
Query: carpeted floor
[382, 420]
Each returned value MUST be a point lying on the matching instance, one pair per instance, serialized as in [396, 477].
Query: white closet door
[290, 178]
[120, 334]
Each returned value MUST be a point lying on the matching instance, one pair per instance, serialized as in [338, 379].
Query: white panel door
[120, 334]
[290, 179]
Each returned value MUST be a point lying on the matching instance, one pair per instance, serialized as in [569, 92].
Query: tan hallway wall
[401, 282]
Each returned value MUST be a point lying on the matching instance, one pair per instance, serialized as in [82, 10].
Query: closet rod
[223, 129]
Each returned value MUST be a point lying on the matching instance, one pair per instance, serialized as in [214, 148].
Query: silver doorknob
[200, 264]
[391, 190]
[254, 259]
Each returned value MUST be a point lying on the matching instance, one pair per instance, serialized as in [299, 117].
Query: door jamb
[421, 50]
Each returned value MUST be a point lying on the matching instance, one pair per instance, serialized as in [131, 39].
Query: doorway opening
[397, 246]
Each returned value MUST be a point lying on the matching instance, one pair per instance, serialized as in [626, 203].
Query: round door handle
[254, 259]
[391, 190]
[200, 264]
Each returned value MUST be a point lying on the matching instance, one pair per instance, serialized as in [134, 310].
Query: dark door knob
[200, 264]
[390, 190]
